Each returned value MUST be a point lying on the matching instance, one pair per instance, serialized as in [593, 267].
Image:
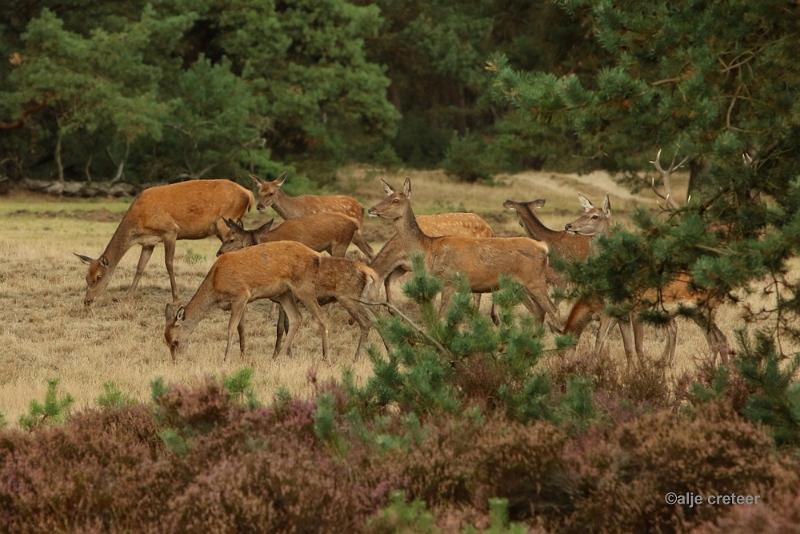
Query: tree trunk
[59, 163]
[121, 167]
[88, 168]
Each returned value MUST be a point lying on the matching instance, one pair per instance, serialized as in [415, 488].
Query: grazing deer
[164, 214]
[481, 260]
[393, 253]
[323, 232]
[340, 279]
[280, 271]
[270, 194]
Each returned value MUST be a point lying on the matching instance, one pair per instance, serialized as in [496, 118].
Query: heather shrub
[99, 471]
[624, 478]
[465, 463]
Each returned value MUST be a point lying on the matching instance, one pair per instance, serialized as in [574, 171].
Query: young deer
[571, 247]
[278, 271]
[340, 279]
[270, 194]
[393, 254]
[480, 260]
[164, 214]
[323, 232]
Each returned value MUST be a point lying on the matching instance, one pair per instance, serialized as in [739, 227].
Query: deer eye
[595, 216]
[395, 200]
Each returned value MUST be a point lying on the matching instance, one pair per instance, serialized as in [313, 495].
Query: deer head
[266, 190]
[394, 205]
[594, 221]
[97, 276]
[238, 237]
[175, 331]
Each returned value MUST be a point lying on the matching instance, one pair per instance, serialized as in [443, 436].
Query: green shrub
[53, 410]
[466, 158]
[112, 397]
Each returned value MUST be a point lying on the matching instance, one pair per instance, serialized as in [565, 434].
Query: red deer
[480, 260]
[339, 279]
[280, 271]
[679, 292]
[270, 194]
[393, 253]
[164, 214]
[323, 232]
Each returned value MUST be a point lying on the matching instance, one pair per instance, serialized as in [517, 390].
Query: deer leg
[309, 300]
[668, 355]
[626, 330]
[542, 299]
[237, 310]
[606, 324]
[363, 246]
[280, 328]
[356, 312]
[638, 337]
[169, 256]
[240, 329]
[144, 257]
[444, 297]
[287, 303]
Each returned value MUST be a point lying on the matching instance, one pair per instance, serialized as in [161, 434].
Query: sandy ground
[45, 332]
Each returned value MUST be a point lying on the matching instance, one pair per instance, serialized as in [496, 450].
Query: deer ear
[84, 259]
[230, 224]
[585, 202]
[103, 261]
[607, 206]
[537, 203]
[256, 180]
[407, 188]
[281, 179]
[180, 315]
[387, 188]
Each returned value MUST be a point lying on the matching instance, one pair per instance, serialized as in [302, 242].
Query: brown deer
[678, 293]
[280, 271]
[270, 194]
[323, 232]
[340, 279]
[567, 245]
[481, 260]
[393, 252]
[164, 214]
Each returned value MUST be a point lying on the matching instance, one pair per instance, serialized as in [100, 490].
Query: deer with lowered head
[481, 260]
[340, 279]
[323, 232]
[280, 271]
[163, 214]
[270, 193]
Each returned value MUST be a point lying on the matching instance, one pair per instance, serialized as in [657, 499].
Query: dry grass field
[45, 332]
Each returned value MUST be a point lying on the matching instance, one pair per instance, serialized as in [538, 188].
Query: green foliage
[174, 441]
[775, 400]
[112, 397]
[53, 410]
[153, 91]
[403, 517]
[466, 158]
[239, 386]
[157, 388]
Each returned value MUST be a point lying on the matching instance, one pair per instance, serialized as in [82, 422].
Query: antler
[665, 177]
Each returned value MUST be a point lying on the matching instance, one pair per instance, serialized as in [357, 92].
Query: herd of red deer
[285, 264]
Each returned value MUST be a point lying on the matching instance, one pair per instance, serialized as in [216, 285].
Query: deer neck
[200, 304]
[536, 228]
[251, 239]
[408, 231]
[285, 205]
[119, 244]
[601, 232]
